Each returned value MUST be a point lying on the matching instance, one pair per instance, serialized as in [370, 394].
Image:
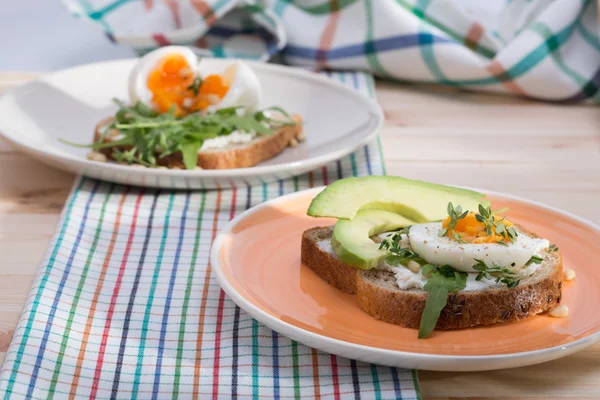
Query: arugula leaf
[138, 110]
[194, 141]
[245, 123]
[428, 269]
[438, 288]
[149, 135]
[205, 133]
[229, 111]
[460, 280]
[442, 281]
[189, 152]
[126, 141]
[395, 260]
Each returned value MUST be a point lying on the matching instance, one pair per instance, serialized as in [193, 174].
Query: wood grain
[573, 376]
[541, 151]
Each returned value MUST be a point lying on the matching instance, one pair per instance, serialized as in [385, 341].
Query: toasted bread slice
[319, 256]
[379, 295]
[235, 156]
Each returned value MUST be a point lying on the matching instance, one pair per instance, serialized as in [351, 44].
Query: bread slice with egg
[244, 155]
[379, 295]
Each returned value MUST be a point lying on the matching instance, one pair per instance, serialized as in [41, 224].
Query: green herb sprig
[486, 217]
[392, 241]
[195, 86]
[501, 275]
[553, 248]
[399, 255]
[534, 260]
[455, 213]
[147, 136]
[442, 280]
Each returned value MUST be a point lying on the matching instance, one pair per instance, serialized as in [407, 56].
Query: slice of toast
[319, 256]
[379, 295]
[234, 156]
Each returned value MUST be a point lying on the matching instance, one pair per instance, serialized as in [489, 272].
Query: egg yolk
[212, 90]
[172, 85]
[473, 231]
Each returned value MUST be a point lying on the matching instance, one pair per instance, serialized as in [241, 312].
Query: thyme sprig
[455, 214]
[501, 275]
[487, 218]
[534, 260]
[399, 255]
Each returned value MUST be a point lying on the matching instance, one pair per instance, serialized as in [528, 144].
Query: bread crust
[328, 267]
[463, 309]
[244, 156]
[405, 307]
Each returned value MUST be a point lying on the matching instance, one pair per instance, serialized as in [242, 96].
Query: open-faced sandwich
[430, 256]
[185, 113]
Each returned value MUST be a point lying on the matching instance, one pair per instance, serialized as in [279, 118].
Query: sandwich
[189, 114]
[230, 148]
[427, 256]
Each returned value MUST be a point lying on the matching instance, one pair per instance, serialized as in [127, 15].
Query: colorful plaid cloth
[124, 305]
[545, 49]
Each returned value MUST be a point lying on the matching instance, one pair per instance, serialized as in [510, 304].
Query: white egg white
[138, 78]
[425, 241]
[244, 86]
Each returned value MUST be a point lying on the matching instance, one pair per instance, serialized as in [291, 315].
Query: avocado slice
[417, 200]
[352, 242]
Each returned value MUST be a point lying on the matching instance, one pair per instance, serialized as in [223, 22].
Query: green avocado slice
[352, 242]
[417, 200]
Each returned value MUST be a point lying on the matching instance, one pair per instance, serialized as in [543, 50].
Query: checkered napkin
[544, 49]
[124, 305]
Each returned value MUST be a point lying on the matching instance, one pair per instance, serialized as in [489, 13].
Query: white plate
[68, 104]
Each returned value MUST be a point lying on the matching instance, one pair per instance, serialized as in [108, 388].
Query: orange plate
[257, 259]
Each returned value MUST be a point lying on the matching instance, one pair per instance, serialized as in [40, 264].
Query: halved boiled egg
[244, 86]
[475, 244]
[171, 77]
[161, 78]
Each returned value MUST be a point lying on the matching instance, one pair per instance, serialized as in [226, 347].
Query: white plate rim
[405, 359]
[370, 104]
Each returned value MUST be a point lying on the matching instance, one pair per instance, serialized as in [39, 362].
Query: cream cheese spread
[221, 142]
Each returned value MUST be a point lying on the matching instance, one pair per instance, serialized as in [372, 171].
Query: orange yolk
[212, 85]
[473, 231]
[170, 84]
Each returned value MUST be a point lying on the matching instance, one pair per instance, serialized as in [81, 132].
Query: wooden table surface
[540, 151]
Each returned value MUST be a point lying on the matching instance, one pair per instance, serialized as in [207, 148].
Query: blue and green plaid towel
[543, 49]
[124, 305]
